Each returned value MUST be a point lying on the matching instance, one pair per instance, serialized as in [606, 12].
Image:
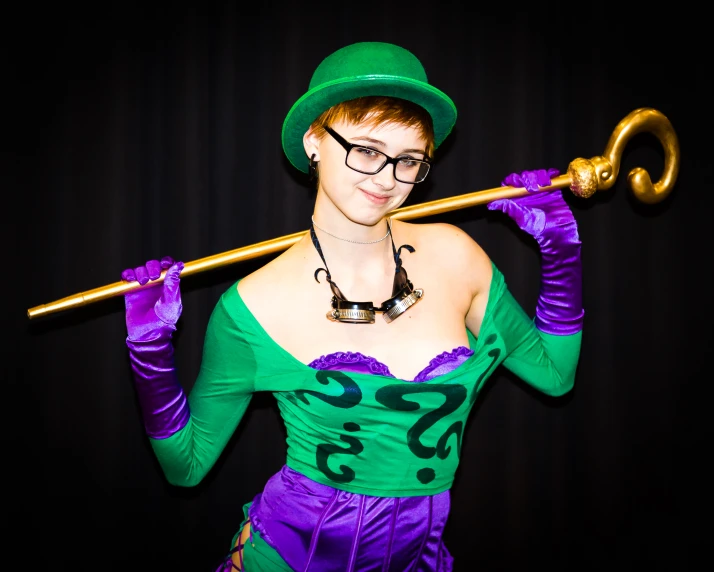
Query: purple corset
[317, 528]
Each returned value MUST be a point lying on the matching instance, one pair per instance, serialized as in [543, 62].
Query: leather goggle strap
[316, 243]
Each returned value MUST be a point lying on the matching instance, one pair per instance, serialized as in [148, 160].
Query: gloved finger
[153, 269]
[169, 306]
[498, 205]
[173, 276]
[528, 218]
[172, 280]
[128, 275]
[142, 274]
[512, 180]
[526, 179]
[545, 200]
[531, 180]
[508, 206]
[166, 262]
[512, 207]
[542, 177]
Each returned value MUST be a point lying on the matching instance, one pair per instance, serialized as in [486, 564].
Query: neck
[350, 233]
[351, 257]
[361, 309]
[363, 270]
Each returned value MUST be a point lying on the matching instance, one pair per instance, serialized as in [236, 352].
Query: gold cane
[584, 177]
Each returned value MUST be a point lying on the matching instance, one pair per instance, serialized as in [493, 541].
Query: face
[360, 198]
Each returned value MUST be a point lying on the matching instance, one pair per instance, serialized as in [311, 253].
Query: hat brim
[317, 100]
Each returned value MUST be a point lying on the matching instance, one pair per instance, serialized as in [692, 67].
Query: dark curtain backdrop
[131, 133]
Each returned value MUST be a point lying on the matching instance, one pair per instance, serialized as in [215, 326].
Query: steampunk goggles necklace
[403, 293]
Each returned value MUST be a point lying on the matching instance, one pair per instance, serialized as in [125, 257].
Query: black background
[131, 132]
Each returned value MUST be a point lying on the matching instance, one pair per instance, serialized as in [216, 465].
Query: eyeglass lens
[366, 160]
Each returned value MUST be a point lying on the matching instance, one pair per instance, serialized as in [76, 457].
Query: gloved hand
[151, 317]
[547, 218]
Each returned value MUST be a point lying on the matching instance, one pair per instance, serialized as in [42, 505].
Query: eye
[367, 152]
[408, 162]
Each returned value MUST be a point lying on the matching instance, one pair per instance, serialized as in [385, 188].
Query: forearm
[162, 401]
[545, 361]
[187, 456]
[559, 310]
[217, 402]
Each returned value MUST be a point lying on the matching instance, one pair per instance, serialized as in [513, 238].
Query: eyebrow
[379, 143]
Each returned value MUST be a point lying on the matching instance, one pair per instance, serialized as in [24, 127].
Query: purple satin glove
[151, 317]
[547, 218]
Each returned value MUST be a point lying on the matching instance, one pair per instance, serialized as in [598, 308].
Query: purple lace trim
[338, 359]
[444, 363]
[358, 362]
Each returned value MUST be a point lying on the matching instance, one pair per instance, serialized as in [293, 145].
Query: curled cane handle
[599, 173]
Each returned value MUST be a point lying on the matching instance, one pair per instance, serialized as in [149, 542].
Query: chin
[367, 219]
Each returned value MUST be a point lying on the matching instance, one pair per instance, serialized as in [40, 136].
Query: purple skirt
[316, 528]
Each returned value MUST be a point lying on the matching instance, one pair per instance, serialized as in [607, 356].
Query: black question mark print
[350, 397]
[324, 450]
[392, 396]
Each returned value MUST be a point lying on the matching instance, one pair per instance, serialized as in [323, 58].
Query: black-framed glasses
[369, 161]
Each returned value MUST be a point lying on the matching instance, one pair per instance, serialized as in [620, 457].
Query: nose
[385, 177]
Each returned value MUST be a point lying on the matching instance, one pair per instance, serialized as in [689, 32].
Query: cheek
[402, 196]
[337, 177]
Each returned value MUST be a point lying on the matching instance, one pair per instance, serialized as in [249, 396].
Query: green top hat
[361, 69]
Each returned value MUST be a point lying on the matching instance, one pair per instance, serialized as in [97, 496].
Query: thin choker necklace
[389, 230]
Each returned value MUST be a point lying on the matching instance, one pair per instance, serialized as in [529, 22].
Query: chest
[435, 324]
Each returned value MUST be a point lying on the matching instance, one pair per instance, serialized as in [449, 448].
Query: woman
[374, 395]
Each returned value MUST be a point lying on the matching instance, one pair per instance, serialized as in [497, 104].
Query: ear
[311, 142]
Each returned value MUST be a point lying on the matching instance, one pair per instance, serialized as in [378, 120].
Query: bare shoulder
[454, 252]
[444, 235]
[268, 281]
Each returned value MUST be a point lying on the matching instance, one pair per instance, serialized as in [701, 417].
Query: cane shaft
[584, 177]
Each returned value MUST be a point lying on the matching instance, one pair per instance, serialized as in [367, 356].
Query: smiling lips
[378, 199]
